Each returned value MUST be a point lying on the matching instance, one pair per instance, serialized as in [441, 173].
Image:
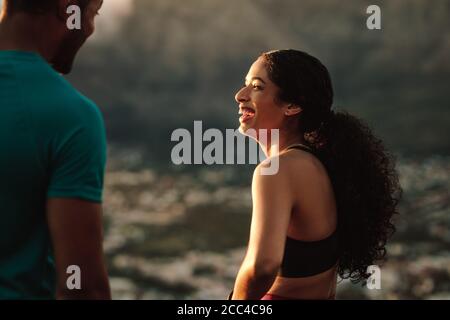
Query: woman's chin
[247, 130]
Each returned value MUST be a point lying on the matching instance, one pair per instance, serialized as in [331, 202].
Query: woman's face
[258, 106]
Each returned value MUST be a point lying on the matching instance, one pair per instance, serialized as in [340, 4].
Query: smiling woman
[327, 211]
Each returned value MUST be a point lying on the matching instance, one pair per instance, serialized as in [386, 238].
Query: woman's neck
[276, 143]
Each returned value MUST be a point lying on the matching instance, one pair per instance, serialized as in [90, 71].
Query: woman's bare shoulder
[299, 161]
[287, 167]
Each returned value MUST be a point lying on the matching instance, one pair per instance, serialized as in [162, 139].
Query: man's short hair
[34, 6]
[30, 6]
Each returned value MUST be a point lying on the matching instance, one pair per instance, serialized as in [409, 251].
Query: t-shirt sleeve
[78, 158]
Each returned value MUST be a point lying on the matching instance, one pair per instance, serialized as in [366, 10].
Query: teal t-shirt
[52, 145]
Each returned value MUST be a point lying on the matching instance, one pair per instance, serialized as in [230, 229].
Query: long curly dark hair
[361, 170]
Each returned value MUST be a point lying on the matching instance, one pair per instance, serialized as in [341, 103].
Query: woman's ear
[292, 109]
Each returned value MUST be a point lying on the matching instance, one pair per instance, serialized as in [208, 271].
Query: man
[52, 158]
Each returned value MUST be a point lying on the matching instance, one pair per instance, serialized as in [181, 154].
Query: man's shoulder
[49, 89]
[67, 98]
[61, 101]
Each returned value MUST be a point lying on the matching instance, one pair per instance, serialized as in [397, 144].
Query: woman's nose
[241, 95]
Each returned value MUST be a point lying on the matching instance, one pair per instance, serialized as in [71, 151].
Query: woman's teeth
[247, 114]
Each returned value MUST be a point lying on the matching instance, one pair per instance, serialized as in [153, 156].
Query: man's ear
[61, 10]
[292, 109]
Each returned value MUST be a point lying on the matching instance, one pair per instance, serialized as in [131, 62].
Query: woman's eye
[255, 86]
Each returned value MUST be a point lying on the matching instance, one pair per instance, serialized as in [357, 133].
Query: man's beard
[65, 55]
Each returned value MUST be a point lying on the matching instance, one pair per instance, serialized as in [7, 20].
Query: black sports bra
[308, 258]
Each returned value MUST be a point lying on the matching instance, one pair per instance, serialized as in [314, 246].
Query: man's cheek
[89, 28]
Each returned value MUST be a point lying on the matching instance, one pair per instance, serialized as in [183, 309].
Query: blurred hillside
[183, 236]
[172, 62]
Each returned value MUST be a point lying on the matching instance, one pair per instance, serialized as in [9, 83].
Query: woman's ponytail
[367, 191]
[362, 171]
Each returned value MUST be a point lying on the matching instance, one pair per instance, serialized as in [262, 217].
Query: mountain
[174, 61]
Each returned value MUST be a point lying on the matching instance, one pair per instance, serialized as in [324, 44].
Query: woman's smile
[246, 113]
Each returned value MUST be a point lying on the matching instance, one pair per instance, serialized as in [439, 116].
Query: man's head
[53, 17]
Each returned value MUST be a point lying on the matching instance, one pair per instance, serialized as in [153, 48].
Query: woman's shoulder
[299, 161]
[284, 167]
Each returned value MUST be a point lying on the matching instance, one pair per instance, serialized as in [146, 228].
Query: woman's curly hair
[361, 170]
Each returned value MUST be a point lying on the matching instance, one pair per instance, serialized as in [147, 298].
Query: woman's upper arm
[272, 203]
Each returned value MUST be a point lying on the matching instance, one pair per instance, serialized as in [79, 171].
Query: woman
[328, 209]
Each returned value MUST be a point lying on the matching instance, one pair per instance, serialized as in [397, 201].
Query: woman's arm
[272, 203]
